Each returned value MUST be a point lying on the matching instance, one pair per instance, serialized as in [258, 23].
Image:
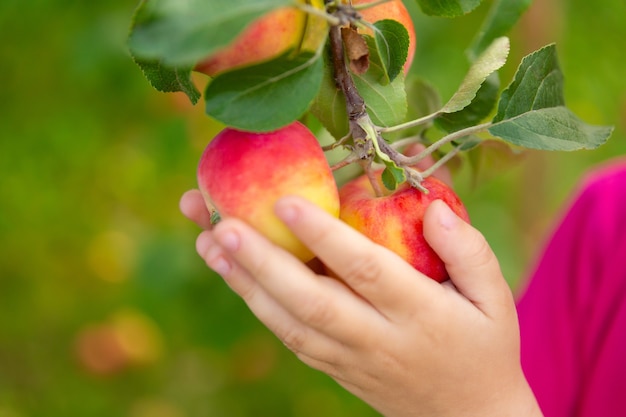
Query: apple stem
[376, 186]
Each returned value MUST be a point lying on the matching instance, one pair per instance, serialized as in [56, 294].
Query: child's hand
[400, 341]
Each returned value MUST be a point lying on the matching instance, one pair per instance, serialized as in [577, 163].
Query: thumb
[473, 267]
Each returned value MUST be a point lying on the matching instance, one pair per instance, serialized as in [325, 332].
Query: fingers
[310, 345]
[378, 275]
[192, 205]
[321, 303]
[472, 265]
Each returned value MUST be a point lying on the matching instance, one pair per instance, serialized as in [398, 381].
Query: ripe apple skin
[395, 220]
[268, 37]
[284, 28]
[243, 174]
[395, 10]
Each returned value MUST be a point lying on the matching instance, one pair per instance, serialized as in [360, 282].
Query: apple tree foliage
[169, 37]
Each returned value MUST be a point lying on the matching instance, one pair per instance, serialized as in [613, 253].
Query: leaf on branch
[181, 32]
[552, 129]
[267, 96]
[502, 16]
[482, 105]
[356, 49]
[386, 103]
[169, 80]
[448, 8]
[532, 111]
[538, 83]
[488, 62]
[392, 175]
[391, 40]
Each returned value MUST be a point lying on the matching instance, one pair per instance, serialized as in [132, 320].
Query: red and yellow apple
[289, 27]
[268, 37]
[242, 174]
[395, 220]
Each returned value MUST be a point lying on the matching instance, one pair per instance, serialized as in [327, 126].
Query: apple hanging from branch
[273, 62]
[243, 174]
[292, 29]
[395, 219]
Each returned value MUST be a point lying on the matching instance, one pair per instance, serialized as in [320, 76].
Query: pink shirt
[573, 312]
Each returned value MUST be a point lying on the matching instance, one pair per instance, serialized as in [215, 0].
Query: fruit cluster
[242, 174]
[344, 63]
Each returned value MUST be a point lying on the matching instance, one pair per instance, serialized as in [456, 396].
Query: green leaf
[489, 61]
[502, 16]
[181, 32]
[392, 176]
[478, 110]
[329, 106]
[532, 111]
[555, 128]
[447, 8]
[163, 78]
[267, 96]
[167, 79]
[386, 103]
[538, 84]
[392, 45]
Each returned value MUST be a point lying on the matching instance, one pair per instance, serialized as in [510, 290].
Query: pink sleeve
[573, 312]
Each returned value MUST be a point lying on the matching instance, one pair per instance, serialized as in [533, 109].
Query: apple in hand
[242, 174]
[268, 37]
[395, 220]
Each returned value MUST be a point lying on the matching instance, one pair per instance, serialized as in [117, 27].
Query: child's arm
[403, 343]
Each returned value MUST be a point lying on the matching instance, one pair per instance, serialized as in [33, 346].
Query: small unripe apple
[268, 37]
[395, 10]
[395, 220]
[243, 174]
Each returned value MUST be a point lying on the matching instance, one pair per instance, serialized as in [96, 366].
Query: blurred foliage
[106, 309]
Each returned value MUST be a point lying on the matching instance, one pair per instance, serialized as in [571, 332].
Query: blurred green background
[105, 308]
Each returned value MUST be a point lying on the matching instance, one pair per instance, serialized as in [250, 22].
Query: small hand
[403, 343]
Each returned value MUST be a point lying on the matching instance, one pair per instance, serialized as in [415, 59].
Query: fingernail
[229, 240]
[219, 264]
[286, 211]
[447, 218]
